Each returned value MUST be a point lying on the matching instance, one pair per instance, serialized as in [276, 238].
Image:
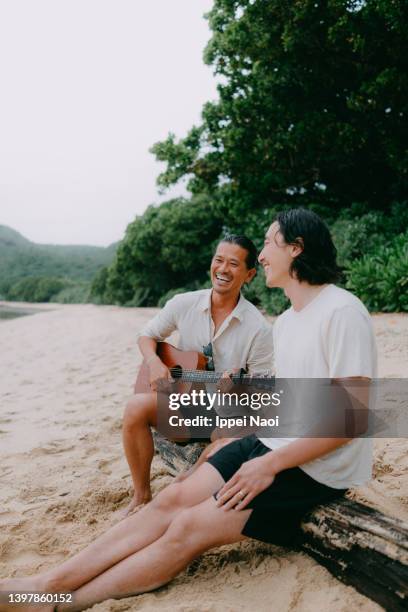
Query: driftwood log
[359, 545]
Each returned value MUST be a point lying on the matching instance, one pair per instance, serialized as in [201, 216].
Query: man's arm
[351, 419]
[257, 474]
[157, 369]
[260, 357]
[157, 330]
[148, 347]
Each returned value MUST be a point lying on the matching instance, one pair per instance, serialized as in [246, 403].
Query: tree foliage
[312, 110]
[313, 107]
[380, 279]
[35, 289]
[47, 289]
[168, 246]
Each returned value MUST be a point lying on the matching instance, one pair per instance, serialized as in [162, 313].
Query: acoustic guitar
[190, 367]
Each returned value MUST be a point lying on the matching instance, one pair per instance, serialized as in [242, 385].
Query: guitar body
[172, 357]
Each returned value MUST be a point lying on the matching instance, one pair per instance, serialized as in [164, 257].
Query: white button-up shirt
[244, 340]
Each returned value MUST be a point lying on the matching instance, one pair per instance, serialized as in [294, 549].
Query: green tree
[313, 106]
[98, 286]
[35, 289]
[168, 246]
[381, 279]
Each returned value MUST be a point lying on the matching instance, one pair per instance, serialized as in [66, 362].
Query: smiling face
[276, 257]
[229, 268]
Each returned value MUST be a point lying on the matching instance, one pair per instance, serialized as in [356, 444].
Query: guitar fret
[213, 377]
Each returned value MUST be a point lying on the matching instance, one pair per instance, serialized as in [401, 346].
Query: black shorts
[278, 510]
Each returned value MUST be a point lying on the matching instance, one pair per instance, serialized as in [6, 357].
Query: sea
[12, 312]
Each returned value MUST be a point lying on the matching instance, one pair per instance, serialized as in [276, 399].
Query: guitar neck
[204, 376]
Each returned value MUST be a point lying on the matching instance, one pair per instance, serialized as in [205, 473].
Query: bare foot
[137, 502]
[22, 586]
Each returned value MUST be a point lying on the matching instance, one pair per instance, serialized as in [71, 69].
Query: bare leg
[127, 537]
[192, 531]
[140, 415]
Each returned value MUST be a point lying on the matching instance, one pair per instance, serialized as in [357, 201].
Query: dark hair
[316, 264]
[244, 243]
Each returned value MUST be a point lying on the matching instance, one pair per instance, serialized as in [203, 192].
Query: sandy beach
[66, 374]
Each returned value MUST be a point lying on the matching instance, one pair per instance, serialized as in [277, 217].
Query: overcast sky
[87, 86]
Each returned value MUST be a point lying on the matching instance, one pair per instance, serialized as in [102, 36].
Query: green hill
[11, 238]
[21, 260]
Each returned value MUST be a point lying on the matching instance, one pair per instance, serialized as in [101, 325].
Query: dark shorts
[278, 510]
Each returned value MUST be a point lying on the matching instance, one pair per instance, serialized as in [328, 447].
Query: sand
[66, 374]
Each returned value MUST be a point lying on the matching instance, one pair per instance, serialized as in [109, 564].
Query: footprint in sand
[37, 494]
[6, 471]
[116, 426]
[103, 466]
[30, 558]
[9, 518]
[52, 448]
[91, 450]
[71, 425]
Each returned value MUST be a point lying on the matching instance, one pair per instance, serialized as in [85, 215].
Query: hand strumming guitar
[158, 372]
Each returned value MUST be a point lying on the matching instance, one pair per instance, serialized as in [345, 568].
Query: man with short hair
[257, 488]
[220, 319]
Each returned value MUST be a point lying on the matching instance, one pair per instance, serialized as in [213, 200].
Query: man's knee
[204, 526]
[139, 410]
[190, 532]
[169, 499]
[183, 529]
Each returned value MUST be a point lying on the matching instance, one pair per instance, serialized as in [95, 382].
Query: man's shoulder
[339, 300]
[334, 302]
[345, 313]
[282, 318]
[251, 313]
[189, 299]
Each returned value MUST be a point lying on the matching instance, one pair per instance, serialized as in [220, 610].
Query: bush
[35, 289]
[140, 297]
[98, 286]
[354, 238]
[73, 293]
[191, 287]
[357, 232]
[170, 294]
[381, 280]
[169, 246]
[272, 301]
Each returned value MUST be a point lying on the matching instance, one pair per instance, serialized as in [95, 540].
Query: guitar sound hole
[177, 371]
